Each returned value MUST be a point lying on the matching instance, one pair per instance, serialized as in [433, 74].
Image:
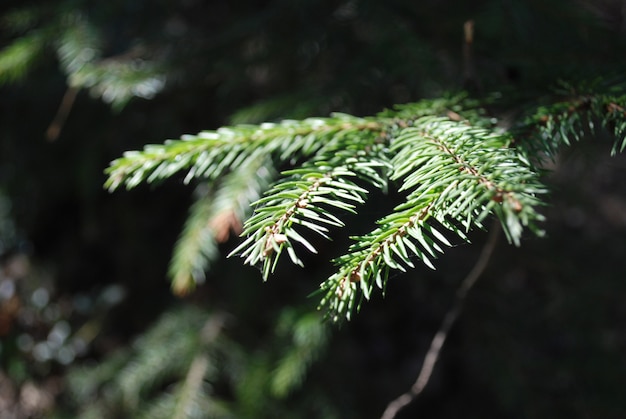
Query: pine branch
[165, 350]
[79, 45]
[306, 198]
[578, 111]
[453, 162]
[118, 80]
[129, 383]
[211, 154]
[191, 392]
[471, 172]
[115, 79]
[17, 58]
[456, 175]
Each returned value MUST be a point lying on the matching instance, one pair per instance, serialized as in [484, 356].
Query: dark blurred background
[84, 272]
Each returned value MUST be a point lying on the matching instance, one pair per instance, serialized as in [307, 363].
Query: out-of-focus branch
[199, 366]
[470, 79]
[53, 131]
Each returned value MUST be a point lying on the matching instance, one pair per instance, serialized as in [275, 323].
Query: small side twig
[432, 356]
[470, 79]
[53, 131]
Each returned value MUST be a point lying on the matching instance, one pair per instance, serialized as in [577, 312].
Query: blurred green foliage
[84, 272]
